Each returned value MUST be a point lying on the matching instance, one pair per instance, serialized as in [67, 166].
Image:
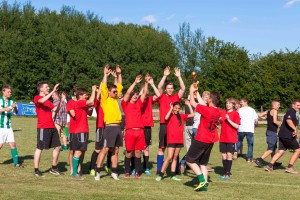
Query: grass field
[247, 180]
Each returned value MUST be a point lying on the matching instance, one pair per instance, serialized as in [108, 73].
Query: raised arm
[181, 83]
[107, 72]
[91, 100]
[156, 92]
[145, 88]
[192, 114]
[263, 115]
[192, 100]
[45, 98]
[162, 81]
[130, 89]
[169, 112]
[119, 74]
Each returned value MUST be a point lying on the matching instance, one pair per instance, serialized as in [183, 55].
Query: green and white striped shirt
[5, 121]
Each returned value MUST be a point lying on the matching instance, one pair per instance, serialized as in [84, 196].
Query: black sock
[160, 174]
[289, 166]
[98, 169]
[114, 170]
[127, 165]
[173, 174]
[146, 162]
[54, 167]
[132, 161]
[93, 160]
[137, 162]
[224, 165]
[36, 169]
[229, 164]
[108, 161]
[270, 165]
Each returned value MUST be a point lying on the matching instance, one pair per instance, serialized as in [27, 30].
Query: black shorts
[199, 152]
[148, 135]
[285, 143]
[175, 145]
[112, 136]
[79, 141]
[162, 136]
[47, 138]
[99, 139]
[227, 147]
[271, 138]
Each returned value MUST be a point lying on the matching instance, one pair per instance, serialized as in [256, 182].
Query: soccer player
[164, 106]
[60, 119]
[249, 119]
[112, 135]
[230, 120]
[7, 107]
[288, 138]
[134, 133]
[272, 126]
[47, 135]
[207, 135]
[79, 139]
[175, 124]
[147, 117]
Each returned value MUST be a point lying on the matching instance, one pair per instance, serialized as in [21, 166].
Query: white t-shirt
[196, 120]
[248, 117]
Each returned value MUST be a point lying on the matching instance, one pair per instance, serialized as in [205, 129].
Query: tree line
[71, 48]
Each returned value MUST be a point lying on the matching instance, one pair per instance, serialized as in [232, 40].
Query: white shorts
[6, 135]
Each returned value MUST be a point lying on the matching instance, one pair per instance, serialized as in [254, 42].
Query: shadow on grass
[21, 159]
[219, 170]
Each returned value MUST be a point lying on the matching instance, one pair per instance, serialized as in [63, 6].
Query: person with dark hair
[79, 139]
[198, 155]
[134, 133]
[164, 104]
[271, 134]
[7, 107]
[112, 135]
[288, 138]
[47, 135]
[175, 125]
[249, 119]
[230, 121]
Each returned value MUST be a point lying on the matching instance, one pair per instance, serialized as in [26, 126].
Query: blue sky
[257, 25]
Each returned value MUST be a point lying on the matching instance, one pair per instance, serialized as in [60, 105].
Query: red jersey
[133, 114]
[71, 106]
[207, 130]
[81, 119]
[44, 113]
[229, 134]
[147, 115]
[100, 114]
[164, 105]
[174, 131]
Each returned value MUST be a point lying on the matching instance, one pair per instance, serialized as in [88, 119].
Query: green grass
[247, 180]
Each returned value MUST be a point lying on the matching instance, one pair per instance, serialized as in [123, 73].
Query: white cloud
[291, 3]
[150, 19]
[170, 17]
[116, 20]
[234, 20]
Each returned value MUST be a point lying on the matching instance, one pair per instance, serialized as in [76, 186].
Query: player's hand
[106, 70]
[167, 71]
[177, 72]
[187, 102]
[113, 73]
[14, 105]
[94, 88]
[295, 134]
[118, 69]
[227, 116]
[138, 79]
[147, 78]
[193, 89]
[56, 87]
[171, 105]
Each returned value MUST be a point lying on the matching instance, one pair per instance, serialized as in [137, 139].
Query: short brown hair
[40, 84]
[215, 97]
[231, 100]
[4, 87]
[169, 83]
[80, 91]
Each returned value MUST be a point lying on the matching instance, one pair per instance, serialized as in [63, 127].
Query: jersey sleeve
[81, 104]
[119, 89]
[203, 110]
[184, 117]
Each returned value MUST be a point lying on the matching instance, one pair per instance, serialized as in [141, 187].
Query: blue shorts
[271, 140]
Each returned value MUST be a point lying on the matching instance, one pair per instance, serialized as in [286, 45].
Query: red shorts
[135, 139]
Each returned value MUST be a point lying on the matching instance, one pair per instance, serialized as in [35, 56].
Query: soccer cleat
[201, 185]
[259, 162]
[137, 176]
[147, 172]
[250, 160]
[107, 170]
[115, 176]
[127, 176]
[174, 178]
[55, 172]
[38, 173]
[158, 178]
[18, 165]
[92, 172]
[222, 177]
[269, 169]
[78, 177]
[97, 176]
[291, 170]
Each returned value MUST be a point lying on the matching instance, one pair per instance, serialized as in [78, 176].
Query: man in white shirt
[249, 119]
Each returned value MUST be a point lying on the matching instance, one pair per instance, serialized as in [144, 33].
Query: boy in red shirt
[79, 139]
[47, 135]
[230, 121]
[175, 124]
[134, 133]
[207, 135]
[164, 106]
